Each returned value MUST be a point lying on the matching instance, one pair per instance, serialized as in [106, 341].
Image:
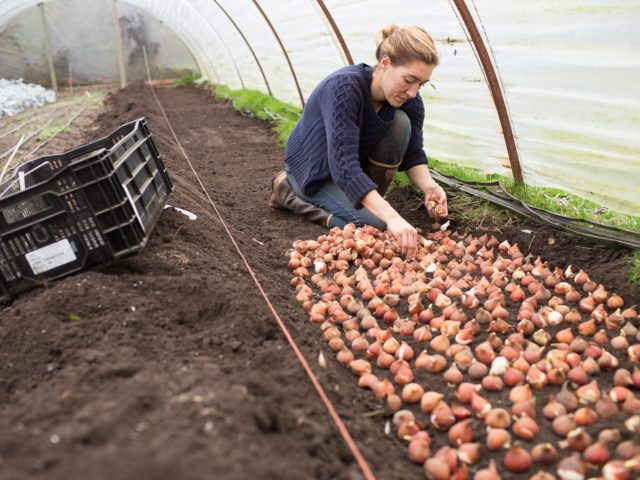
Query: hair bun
[387, 31]
[406, 44]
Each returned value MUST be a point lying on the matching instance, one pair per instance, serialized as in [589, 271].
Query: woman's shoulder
[355, 74]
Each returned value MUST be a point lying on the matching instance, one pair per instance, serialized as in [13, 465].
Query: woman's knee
[401, 126]
[393, 146]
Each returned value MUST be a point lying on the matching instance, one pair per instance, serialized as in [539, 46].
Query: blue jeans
[389, 150]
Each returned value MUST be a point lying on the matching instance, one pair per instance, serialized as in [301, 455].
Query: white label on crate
[51, 256]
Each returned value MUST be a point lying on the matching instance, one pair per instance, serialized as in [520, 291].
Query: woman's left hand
[435, 201]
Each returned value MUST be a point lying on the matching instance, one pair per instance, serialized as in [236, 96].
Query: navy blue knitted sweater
[338, 129]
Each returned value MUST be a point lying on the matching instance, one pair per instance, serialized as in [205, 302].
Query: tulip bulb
[412, 393]
[498, 418]
[563, 424]
[578, 440]
[489, 473]
[442, 417]
[497, 438]
[419, 449]
[403, 416]
[544, 453]
[596, 454]
[461, 432]
[517, 459]
[437, 469]
[430, 400]
[553, 408]
[469, 453]
[572, 468]
[525, 428]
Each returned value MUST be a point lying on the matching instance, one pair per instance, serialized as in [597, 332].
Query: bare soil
[168, 364]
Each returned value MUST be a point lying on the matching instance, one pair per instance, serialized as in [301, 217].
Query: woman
[360, 125]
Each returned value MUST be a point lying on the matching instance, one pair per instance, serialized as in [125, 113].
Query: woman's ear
[385, 62]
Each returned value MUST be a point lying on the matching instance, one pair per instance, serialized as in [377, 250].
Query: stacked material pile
[16, 96]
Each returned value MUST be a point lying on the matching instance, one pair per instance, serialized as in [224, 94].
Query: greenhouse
[319, 239]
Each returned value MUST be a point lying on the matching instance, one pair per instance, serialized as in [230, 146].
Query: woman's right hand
[405, 234]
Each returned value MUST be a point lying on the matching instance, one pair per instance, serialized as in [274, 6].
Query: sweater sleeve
[341, 104]
[415, 151]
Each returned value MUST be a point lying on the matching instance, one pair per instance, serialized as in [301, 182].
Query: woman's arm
[405, 234]
[421, 178]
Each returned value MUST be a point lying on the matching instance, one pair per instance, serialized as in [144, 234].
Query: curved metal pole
[494, 86]
[284, 51]
[248, 45]
[336, 31]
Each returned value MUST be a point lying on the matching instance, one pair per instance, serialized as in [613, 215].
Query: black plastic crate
[89, 206]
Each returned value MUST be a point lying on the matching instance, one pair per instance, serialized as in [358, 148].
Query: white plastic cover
[84, 47]
[568, 69]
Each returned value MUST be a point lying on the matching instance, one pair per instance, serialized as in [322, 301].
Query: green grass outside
[285, 116]
[188, 79]
[552, 199]
[634, 271]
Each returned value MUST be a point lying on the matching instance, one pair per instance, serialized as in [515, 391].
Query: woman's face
[402, 82]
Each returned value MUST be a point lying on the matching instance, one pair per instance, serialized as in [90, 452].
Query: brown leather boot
[381, 174]
[283, 196]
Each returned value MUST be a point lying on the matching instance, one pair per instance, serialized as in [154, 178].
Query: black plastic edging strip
[562, 223]
[510, 197]
[604, 233]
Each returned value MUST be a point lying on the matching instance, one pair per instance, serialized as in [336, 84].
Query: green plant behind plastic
[188, 79]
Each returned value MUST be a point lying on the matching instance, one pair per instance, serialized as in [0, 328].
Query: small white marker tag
[51, 256]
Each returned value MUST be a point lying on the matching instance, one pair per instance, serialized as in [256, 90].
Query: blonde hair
[406, 44]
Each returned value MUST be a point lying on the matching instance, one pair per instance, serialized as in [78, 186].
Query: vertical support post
[118, 34]
[47, 49]
[146, 63]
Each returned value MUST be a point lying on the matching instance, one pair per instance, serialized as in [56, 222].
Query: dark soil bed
[169, 364]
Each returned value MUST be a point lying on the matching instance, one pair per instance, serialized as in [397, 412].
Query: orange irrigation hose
[316, 383]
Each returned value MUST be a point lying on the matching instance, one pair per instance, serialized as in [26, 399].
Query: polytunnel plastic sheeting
[238, 45]
[569, 74]
[85, 49]
[191, 22]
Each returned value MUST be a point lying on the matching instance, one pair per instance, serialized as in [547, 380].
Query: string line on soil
[33, 134]
[47, 140]
[26, 122]
[368, 474]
